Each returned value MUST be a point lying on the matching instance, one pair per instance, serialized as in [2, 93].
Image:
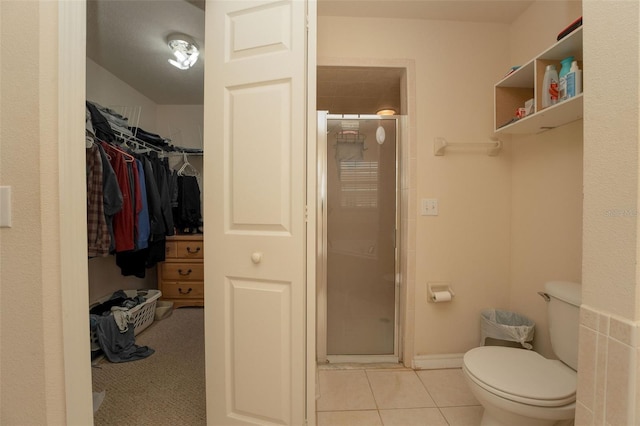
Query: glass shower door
[361, 227]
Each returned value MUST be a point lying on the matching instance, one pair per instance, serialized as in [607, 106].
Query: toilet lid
[521, 375]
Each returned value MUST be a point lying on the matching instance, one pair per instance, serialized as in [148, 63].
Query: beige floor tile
[413, 417]
[398, 389]
[344, 390]
[447, 387]
[349, 418]
[463, 416]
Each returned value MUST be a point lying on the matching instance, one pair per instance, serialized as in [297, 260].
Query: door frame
[407, 168]
[72, 210]
[74, 290]
[321, 278]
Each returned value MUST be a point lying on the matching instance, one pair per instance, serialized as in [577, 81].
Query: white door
[254, 212]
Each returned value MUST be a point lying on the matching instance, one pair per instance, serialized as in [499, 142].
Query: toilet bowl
[520, 387]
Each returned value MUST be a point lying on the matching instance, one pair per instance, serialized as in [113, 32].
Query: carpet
[167, 388]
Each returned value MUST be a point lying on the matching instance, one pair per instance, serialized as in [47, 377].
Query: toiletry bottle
[562, 83]
[574, 81]
[550, 86]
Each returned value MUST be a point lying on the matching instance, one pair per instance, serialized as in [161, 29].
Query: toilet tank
[563, 314]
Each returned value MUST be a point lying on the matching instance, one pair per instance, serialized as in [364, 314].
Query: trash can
[505, 327]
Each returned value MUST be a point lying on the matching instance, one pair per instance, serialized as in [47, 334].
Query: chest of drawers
[181, 275]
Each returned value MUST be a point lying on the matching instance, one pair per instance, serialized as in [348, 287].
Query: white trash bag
[505, 325]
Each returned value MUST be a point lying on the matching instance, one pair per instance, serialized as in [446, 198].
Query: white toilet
[521, 387]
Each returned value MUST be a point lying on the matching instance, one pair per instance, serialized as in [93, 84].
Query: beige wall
[537, 28]
[546, 191]
[609, 380]
[507, 224]
[109, 91]
[181, 123]
[468, 243]
[31, 356]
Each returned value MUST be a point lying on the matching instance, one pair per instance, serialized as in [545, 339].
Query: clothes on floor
[122, 317]
[118, 298]
[114, 328]
[116, 345]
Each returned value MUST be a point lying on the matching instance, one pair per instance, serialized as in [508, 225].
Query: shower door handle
[256, 257]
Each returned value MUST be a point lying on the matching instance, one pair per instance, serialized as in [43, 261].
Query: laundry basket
[142, 315]
[505, 326]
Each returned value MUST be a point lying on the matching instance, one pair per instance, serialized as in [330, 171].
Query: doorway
[360, 188]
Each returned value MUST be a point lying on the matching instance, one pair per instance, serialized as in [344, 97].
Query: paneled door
[254, 212]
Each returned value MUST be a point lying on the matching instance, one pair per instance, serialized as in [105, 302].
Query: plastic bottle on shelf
[562, 81]
[574, 80]
[550, 86]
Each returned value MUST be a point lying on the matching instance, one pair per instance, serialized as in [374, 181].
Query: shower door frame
[321, 260]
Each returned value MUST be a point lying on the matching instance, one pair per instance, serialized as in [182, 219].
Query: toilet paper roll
[441, 296]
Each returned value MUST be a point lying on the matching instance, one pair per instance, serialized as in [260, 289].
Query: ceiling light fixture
[184, 49]
[386, 111]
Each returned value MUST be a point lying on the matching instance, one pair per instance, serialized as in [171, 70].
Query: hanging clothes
[123, 221]
[98, 236]
[157, 227]
[100, 124]
[144, 228]
[161, 172]
[136, 201]
[142, 198]
[188, 217]
[134, 262]
[112, 196]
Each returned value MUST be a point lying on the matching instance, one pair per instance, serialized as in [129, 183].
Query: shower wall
[361, 223]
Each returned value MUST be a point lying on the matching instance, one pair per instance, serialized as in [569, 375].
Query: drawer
[171, 250]
[190, 249]
[183, 290]
[182, 271]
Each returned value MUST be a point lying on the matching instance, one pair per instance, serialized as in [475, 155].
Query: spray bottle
[550, 87]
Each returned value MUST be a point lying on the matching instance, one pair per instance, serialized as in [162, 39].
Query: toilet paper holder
[438, 287]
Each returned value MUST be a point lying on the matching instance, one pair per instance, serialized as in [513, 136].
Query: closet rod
[147, 146]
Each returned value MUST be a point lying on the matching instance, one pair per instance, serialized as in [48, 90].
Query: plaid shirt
[97, 231]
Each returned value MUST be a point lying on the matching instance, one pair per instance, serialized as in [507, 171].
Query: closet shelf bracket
[440, 145]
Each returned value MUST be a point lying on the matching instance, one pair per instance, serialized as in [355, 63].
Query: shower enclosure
[357, 295]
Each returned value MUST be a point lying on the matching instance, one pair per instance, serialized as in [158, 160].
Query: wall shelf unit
[525, 83]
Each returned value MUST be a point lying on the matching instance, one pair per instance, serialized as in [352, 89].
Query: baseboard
[362, 359]
[434, 362]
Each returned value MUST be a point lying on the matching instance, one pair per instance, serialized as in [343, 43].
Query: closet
[128, 72]
[159, 135]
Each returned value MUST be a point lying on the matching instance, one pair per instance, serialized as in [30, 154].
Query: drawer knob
[197, 250]
[184, 292]
[256, 257]
[184, 273]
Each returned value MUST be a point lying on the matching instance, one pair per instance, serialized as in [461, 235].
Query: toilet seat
[521, 376]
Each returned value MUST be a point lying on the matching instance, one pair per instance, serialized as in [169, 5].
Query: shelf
[549, 118]
[514, 90]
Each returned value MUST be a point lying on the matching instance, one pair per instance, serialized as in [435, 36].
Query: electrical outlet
[429, 207]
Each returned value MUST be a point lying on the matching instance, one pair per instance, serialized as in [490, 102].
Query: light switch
[5, 207]
[429, 207]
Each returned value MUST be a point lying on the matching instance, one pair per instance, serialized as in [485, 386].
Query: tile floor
[395, 397]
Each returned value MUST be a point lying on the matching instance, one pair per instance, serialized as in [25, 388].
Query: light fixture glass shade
[386, 111]
[184, 50]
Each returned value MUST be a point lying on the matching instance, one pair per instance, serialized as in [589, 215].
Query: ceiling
[358, 90]
[128, 38]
